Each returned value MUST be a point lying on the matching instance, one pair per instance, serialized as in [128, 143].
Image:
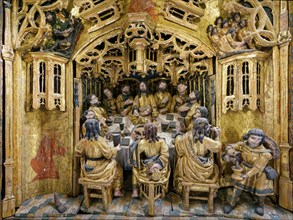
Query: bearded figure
[195, 154]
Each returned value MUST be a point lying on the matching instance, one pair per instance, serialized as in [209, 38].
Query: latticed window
[42, 77]
[57, 78]
[258, 78]
[242, 79]
[45, 81]
[245, 78]
[230, 80]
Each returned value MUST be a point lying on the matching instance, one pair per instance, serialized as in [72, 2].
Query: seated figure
[144, 106]
[97, 158]
[150, 158]
[124, 101]
[193, 103]
[99, 113]
[194, 152]
[163, 98]
[254, 175]
[179, 100]
[109, 103]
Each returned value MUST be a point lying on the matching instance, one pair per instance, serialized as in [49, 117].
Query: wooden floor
[42, 207]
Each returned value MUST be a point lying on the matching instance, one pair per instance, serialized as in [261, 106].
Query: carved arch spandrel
[258, 20]
[32, 21]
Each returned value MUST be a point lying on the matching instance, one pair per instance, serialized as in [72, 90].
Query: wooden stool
[103, 190]
[199, 187]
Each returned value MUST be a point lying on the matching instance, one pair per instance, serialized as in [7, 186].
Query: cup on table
[164, 126]
[121, 126]
[116, 139]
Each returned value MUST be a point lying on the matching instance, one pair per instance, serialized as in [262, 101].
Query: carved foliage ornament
[138, 49]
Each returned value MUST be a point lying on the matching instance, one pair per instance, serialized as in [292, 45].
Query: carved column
[1, 103]
[285, 184]
[8, 56]
[139, 45]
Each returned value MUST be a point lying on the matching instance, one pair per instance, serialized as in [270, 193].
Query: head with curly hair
[201, 129]
[254, 137]
[92, 129]
[150, 132]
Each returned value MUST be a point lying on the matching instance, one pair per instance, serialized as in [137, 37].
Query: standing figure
[109, 103]
[144, 106]
[254, 174]
[150, 158]
[124, 101]
[180, 99]
[97, 158]
[194, 152]
[163, 98]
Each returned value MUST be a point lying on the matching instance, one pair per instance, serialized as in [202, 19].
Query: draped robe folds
[149, 149]
[120, 104]
[163, 107]
[143, 103]
[189, 166]
[258, 157]
[100, 157]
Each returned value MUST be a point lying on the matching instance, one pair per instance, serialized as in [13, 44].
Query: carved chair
[97, 189]
[153, 190]
[210, 188]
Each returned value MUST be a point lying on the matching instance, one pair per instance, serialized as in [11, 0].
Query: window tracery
[45, 81]
[243, 81]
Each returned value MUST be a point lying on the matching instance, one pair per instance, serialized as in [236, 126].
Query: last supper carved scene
[146, 108]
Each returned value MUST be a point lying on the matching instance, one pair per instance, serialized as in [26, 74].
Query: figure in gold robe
[194, 151]
[109, 104]
[97, 158]
[252, 175]
[99, 114]
[200, 112]
[179, 101]
[144, 106]
[163, 98]
[150, 158]
[124, 101]
[193, 103]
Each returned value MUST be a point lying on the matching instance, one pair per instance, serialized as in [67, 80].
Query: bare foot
[118, 193]
[134, 193]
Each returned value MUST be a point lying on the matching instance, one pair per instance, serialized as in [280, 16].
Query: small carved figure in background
[97, 158]
[109, 104]
[144, 106]
[124, 101]
[230, 36]
[180, 99]
[152, 158]
[163, 98]
[61, 32]
[253, 175]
